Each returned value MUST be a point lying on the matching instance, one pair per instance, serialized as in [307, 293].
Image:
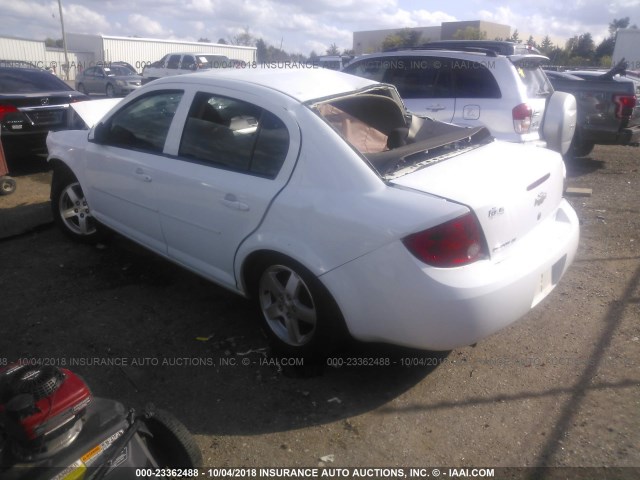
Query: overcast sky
[301, 26]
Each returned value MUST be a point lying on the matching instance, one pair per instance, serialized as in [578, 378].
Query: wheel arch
[337, 330]
[57, 164]
[249, 270]
[60, 168]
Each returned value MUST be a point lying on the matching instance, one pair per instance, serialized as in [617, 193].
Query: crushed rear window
[394, 144]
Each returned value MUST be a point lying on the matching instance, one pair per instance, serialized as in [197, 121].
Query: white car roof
[303, 84]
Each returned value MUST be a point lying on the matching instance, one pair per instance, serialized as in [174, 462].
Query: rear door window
[188, 63]
[173, 62]
[234, 135]
[373, 69]
[420, 77]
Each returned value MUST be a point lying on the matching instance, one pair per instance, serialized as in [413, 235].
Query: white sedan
[317, 194]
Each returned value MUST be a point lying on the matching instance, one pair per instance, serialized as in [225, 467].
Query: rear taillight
[624, 105]
[522, 115]
[454, 243]
[5, 109]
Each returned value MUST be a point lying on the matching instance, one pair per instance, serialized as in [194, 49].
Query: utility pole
[64, 43]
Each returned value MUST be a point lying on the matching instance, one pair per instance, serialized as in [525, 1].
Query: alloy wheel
[75, 212]
[287, 305]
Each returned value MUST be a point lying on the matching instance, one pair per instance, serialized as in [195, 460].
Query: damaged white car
[317, 194]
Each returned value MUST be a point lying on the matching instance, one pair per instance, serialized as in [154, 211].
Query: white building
[88, 50]
[36, 52]
[144, 51]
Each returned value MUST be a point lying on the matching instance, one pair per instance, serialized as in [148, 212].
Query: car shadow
[578, 167]
[26, 163]
[139, 329]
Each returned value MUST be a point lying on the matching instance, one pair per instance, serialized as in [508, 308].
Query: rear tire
[299, 315]
[581, 148]
[171, 443]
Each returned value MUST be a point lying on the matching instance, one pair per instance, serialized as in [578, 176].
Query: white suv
[508, 94]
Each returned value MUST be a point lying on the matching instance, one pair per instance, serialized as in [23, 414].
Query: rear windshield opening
[366, 121]
[391, 141]
[534, 78]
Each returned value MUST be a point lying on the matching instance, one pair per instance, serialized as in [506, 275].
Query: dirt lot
[559, 388]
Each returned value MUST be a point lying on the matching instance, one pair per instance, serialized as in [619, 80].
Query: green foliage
[605, 61]
[244, 39]
[261, 50]
[333, 50]
[50, 42]
[405, 38]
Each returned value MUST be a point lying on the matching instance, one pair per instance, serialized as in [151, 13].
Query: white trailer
[628, 47]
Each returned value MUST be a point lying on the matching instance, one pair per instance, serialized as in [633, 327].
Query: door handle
[435, 108]
[231, 201]
[141, 175]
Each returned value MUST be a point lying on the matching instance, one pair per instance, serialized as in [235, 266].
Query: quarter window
[234, 135]
[144, 123]
[474, 80]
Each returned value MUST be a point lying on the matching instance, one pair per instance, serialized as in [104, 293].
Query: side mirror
[98, 133]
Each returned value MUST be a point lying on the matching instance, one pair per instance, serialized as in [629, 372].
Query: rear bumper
[390, 296]
[626, 136]
[31, 141]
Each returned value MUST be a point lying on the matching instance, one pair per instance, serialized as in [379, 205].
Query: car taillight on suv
[522, 115]
[624, 105]
[454, 243]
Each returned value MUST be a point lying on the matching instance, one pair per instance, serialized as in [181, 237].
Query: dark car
[112, 80]
[607, 109]
[18, 64]
[33, 102]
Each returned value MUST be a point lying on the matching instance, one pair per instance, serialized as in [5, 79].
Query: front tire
[299, 314]
[70, 208]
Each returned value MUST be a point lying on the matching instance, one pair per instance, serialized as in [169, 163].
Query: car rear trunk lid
[511, 188]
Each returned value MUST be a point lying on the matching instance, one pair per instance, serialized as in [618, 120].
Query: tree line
[579, 50]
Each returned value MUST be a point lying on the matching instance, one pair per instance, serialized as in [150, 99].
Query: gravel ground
[560, 388]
